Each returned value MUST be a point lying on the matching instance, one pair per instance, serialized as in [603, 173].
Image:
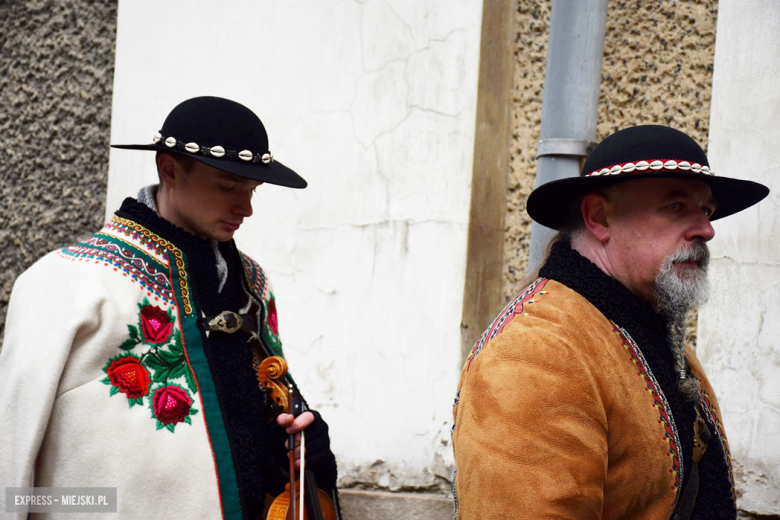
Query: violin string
[303, 468]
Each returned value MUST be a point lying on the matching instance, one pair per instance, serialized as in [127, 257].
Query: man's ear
[594, 208]
[166, 168]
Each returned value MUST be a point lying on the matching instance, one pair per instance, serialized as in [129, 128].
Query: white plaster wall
[739, 330]
[373, 103]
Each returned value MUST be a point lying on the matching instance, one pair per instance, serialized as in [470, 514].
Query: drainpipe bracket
[578, 147]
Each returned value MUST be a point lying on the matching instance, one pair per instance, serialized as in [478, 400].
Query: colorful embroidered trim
[455, 495]
[514, 308]
[122, 231]
[659, 403]
[147, 237]
[141, 268]
[714, 419]
[161, 374]
[254, 275]
[258, 284]
[457, 400]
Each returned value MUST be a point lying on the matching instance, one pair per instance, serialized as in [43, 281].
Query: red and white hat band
[654, 165]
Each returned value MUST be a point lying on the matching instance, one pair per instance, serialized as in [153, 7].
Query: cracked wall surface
[56, 73]
[373, 102]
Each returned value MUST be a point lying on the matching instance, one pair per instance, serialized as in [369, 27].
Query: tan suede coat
[557, 416]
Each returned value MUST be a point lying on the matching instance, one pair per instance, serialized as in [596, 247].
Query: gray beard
[675, 295]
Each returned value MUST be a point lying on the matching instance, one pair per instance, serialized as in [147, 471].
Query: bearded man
[580, 400]
[135, 358]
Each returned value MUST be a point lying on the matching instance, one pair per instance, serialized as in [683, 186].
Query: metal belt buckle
[226, 321]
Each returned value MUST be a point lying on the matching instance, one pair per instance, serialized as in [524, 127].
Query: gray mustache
[696, 253]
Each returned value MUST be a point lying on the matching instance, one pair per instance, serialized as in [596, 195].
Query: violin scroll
[269, 373]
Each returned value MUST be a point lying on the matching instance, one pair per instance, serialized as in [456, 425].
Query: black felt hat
[223, 134]
[641, 152]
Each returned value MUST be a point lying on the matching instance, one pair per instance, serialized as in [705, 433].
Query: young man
[580, 400]
[131, 359]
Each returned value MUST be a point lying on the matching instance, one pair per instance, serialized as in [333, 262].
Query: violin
[301, 499]
[312, 503]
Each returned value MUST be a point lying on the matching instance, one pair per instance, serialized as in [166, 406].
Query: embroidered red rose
[155, 325]
[129, 376]
[273, 324]
[171, 404]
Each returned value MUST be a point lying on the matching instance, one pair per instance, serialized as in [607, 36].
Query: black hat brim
[272, 173]
[551, 204]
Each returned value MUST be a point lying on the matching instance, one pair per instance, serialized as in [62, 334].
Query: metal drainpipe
[571, 95]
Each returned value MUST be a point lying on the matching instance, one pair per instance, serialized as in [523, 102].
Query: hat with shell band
[223, 134]
[641, 152]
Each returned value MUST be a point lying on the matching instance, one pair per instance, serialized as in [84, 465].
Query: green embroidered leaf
[152, 360]
[128, 344]
[190, 380]
[114, 391]
[177, 371]
[170, 427]
[160, 425]
[106, 381]
[188, 420]
[177, 344]
[134, 333]
[171, 358]
[136, 401]
[193, 411]
[160, 375]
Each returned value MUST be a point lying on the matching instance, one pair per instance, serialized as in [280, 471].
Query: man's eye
[707, 211]
[674, 205]
[225, 187]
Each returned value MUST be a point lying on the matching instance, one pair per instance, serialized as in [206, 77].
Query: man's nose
[243, 205]
[701, 229]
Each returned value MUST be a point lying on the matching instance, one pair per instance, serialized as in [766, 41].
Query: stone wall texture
[56, 76]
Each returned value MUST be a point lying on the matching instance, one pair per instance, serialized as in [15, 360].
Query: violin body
[281, 509]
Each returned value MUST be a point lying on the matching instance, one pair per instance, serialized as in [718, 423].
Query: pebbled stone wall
[56, 76]
[657, 69]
